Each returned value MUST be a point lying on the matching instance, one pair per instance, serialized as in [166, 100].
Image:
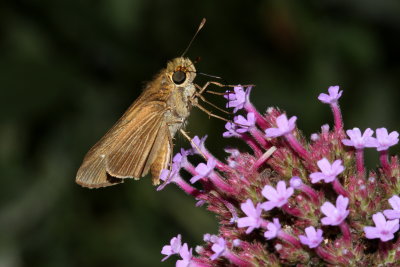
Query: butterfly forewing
[125, 150]
[131, 153]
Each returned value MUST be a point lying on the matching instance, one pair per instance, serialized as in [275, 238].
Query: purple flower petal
[243, 124]
[204, 170]
[394, 201]
[334, 95]
[312, 238]
[359, 141]
[328, 172]
[231, 130]
[285, 126]
[384, 140]
[277, 197]
[335, 215]
[253, 219]
[384, 230]
[273, 229]
[173, 248]
[238, 99]
[186, 255]
[218, 248]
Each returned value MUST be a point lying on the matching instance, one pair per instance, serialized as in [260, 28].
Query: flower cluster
[291, 201]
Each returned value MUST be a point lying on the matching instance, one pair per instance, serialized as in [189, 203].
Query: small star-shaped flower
[186, 256]
[169, 176]
[383, 229]
[173, 248]
[277, 197]
[384, 140]
[285, 126]
[218, 247]
[231, 130]
[273, 229]
[243, 123]
[335, 215]
[204, 170]
[394, 201]
[357, 140]
[253, 219]
[332, 97]
[238, 99]
[199, 142]
[328, 172]
[312, 238]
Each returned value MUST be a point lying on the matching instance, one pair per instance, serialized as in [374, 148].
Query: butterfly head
[181, 71]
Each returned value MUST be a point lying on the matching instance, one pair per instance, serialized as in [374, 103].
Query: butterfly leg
[211, 104]
[193, 143]
[209, 113]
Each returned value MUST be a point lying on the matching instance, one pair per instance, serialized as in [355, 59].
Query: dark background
[69, 69]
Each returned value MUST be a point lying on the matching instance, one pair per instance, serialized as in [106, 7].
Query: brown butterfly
[141, 140]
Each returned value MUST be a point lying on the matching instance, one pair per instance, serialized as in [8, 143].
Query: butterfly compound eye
[178, 77]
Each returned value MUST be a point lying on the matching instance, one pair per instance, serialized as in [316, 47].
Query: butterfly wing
[128, 149]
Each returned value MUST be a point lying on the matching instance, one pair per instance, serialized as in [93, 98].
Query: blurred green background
[69, 69]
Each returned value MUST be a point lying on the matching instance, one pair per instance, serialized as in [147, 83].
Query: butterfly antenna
[203, 21]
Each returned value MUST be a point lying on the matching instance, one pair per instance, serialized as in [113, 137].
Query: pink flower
[394, 201]
[384, 229]
[253, 219]
[231, 130]
[169, 176]
[186, 255]
[384, 140]
[273, 229]
[312, 238]
[277, 197]
[285, 126]
[328, 172]
[357, 140]
[199, 143]
[335, 215]
[238, 99]
[218, 248]
[334, 95]
[244, 124]
[173, 248]
[204, 170]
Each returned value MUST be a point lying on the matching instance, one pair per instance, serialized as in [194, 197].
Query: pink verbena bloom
[181, 158]
[218, 248]
[357, 140]
[168, 176]
[186, 256]
[312, 238]
[335, 215]
[237, 100]
[384, 140]
[199, 142]
[328, 172]
[173, 248]
[273, 229]
[285, 126]
[253, 219]
[383, 229]
[394, 201]
[277, 197]
[243, 124]
[332, 97]
[204, 170]
[231, 130]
